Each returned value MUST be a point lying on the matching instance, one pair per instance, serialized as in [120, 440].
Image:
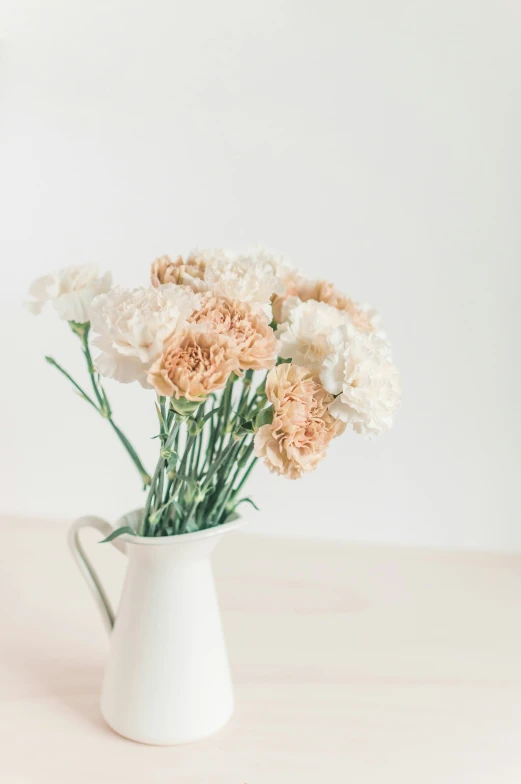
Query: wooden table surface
[359, 664]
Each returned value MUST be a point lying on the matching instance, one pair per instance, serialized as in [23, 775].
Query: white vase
[167, 680]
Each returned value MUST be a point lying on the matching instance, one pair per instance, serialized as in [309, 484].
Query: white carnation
[303, 335]
[360, 371]
[71, 291]
[280, 266]
[249, 277]
[133, 324]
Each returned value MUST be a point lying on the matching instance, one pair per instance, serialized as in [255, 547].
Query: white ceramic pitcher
[167, 680]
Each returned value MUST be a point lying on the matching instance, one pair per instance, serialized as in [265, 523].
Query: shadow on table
[38, 673]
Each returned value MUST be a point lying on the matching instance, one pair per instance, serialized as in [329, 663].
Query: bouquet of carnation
[248, 360]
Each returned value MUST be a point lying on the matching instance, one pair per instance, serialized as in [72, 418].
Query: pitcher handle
[86, 568]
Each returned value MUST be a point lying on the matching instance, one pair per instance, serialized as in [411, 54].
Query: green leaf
[261, 390]
[160, 416]
[246, 427]
[83, 396]
[247, 501]
[264, 417]
[125, 529]
[209, 414]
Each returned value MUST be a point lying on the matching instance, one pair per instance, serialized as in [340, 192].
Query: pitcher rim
[204, 533]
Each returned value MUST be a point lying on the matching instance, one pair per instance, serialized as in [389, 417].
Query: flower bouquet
[249, 360]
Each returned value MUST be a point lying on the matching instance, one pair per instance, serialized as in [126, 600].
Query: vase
[167, 679]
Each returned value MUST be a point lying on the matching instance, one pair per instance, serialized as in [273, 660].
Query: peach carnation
[193, 364]
[302, 427]
[251, 338]
[324, 291]
[189, 273]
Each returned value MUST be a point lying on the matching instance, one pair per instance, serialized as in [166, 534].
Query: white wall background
[375, 143]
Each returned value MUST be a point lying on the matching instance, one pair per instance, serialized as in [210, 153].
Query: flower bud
[185, 407]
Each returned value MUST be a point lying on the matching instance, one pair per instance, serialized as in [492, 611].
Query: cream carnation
[302, 427]
[71, 291]
[248, 331]
[248, 276]
[291, 278]
[360, 371]
[192, 365]
[254, 276]
[132, 326]
[303, 335]
[280, 266]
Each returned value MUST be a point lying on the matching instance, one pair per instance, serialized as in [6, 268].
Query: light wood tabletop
[352, 663]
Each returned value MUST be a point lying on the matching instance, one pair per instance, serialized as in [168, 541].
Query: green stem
[257, 401]
[159, 471]
[122, 437]
[215, 466]
[242, 459]
[182, 467]
[103, 407]
[145, 523]
[246, 386]
[244, 478]
[200, 439]
[212, 439]
[224, 488]
[81, 391]
[226, 404]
